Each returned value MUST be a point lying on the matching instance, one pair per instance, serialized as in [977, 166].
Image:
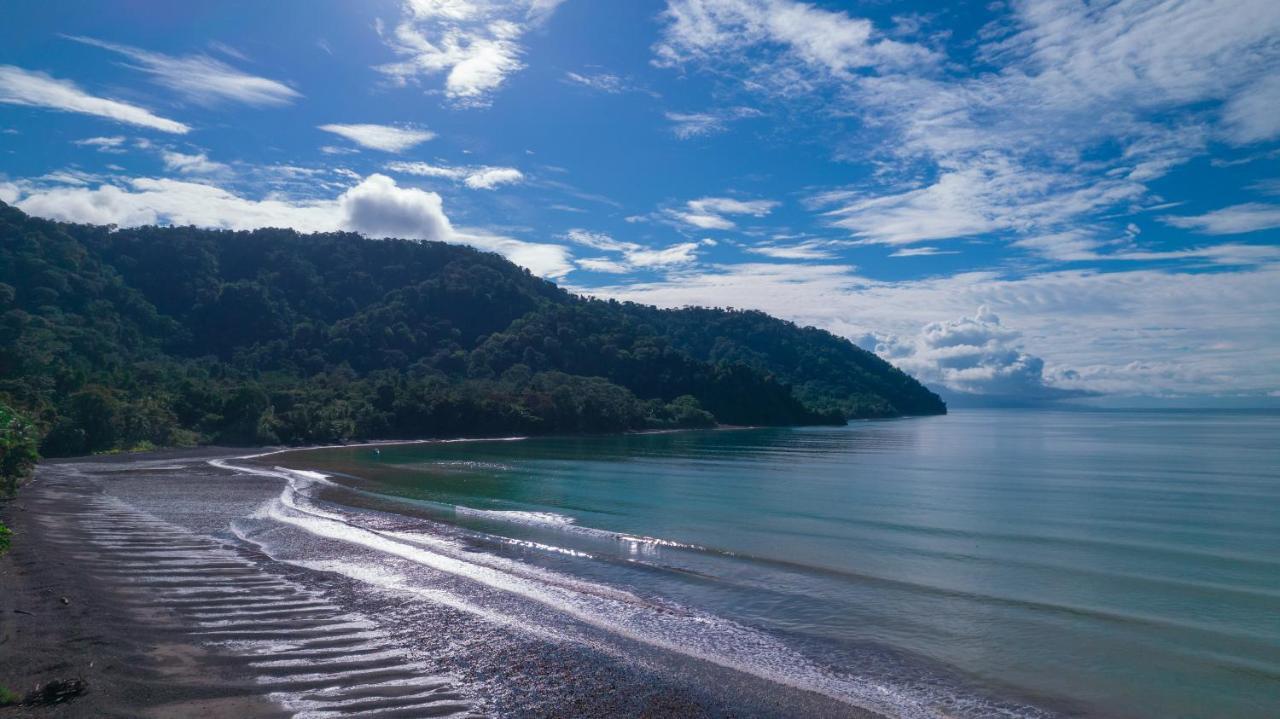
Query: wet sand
[168, 614]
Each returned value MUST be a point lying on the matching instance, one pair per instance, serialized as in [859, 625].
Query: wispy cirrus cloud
[36, 89]
[110, 144]
[480, 177]
[387, 138]
[807, 250]
[687, 125]
[608, 83]
[1236, 219]
[631, 256]
[711, 213]
[1078, 107]
[192, 163]
[475, 44]
[605, 82]
[200, 78]
[787, 32]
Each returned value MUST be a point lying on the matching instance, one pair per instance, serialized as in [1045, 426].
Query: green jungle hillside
[118, 339]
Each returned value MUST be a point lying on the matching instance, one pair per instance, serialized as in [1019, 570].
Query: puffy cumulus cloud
[202, 79]
[475, 44]
[378, 208]
[387, 138]
[36, 89]
[477, 178]
[375, 207]
[973, 355]
[487, 178]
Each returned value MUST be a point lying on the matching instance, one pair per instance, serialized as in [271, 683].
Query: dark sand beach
[126, 576]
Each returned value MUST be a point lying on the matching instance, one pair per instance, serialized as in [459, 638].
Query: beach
[998, 563]
[125, 575]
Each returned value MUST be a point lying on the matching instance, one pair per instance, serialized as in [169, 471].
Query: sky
[1043, 199]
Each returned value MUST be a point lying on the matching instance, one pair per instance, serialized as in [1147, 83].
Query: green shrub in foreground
[18, 454]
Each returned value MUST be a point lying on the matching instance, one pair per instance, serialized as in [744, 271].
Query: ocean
[1014, 563]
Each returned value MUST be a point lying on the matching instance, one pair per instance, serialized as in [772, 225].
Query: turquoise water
[1089, 563]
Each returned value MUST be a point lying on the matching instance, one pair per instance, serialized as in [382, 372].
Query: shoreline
[144, 655]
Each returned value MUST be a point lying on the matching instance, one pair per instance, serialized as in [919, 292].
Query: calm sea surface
[1086, 563]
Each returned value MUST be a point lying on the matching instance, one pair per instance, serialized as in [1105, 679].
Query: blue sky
[1047, 199]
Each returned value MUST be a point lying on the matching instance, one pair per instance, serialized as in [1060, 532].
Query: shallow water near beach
[1012, 562]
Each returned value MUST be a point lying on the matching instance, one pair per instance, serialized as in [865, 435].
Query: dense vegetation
[170, 336]
[17, 452]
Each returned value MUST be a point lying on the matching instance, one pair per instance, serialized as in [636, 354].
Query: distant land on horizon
[163, 336]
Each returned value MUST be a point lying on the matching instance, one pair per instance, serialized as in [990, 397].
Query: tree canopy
[113, 338]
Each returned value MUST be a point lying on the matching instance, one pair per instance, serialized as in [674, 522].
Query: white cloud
[104, 144]
[1081, 245]
[988, 195]
[810, 250]
[487, 178]
[599, 241]
[387, 138]
[600, 81]
[378, 208]
[633, 255]
[375, 207]
[920, 252]
[477, 178]
[475, 44]
[1237, 219]
[335, 150]
[731, 206]
[708, 213]
[1077, 105]
[188, 164]
[1251, 115]
[70, 177]
[679, 254]
[602, 264]
[1138, 332]
[686, 125]
[202, 79]
[716, 30]
[36, 89]
[973, 355]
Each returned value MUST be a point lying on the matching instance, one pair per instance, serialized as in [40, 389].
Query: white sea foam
[665, 626]
[516, 516]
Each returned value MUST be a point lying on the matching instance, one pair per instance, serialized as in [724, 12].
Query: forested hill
[163, 336]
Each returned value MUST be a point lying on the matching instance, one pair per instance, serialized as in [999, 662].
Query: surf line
[753, 653]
